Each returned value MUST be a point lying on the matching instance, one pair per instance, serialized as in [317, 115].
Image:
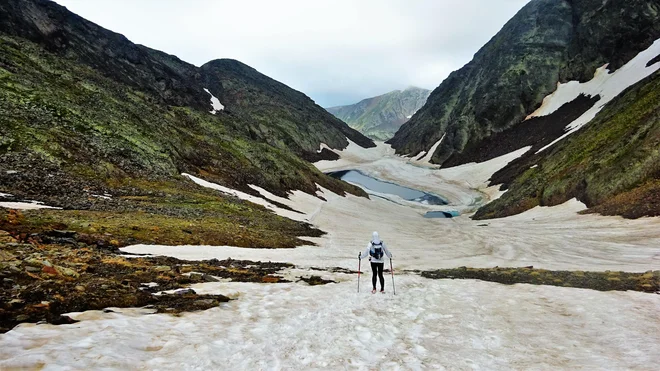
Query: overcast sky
[335, 51]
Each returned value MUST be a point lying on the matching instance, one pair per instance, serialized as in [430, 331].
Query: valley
[162, 214]
[431, 322]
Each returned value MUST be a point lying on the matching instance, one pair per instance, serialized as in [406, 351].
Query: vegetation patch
[612, 164]
[601, 281]
[166, 212]
[40, 281]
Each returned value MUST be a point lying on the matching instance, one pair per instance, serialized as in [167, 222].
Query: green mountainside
[380, 117]
[278, 115]
[548, 41]
[86, 112]
[612, 164]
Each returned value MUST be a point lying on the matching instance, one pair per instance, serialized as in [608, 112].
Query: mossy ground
[66, 126]
[167, 212]
[41, 280]
[602, 281]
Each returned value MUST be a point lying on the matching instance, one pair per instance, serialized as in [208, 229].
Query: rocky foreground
[45, 275]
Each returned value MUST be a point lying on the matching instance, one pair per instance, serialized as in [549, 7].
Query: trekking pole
[359, 265]
[392, 271]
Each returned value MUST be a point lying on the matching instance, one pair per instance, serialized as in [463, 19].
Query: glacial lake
[373, 184]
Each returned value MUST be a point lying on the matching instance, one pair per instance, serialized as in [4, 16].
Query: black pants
[378, 268]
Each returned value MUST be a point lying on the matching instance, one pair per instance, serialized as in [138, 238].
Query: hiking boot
[382, 291]
[373, 291]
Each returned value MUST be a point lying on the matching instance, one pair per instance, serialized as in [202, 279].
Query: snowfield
[428, 324]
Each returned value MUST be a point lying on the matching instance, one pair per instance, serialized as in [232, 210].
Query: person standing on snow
[376, 251]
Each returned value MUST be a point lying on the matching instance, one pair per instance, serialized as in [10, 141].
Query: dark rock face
[59, 31]
[294, 120]
[612, 164]
[536, 132]
[380, 117]
[548, 41]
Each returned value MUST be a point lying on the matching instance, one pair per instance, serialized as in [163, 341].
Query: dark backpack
[377, 252]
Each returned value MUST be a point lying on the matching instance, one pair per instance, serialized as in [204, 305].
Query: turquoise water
[373, 184]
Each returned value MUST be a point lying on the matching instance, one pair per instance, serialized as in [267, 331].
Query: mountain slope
[177, 83]
[280, 116]
[547, 42]
[380, 117]
[612, 165]
[84, 112]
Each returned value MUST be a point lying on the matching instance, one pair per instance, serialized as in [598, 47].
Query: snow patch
[5, 195]
[427, 159]
[303, 201]
[352, 154]
[476, 175]
[419, 156]
[32, 205]
[607, 86]
[215, 103]
[105, 196]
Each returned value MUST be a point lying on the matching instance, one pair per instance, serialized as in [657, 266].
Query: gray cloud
[337, 52]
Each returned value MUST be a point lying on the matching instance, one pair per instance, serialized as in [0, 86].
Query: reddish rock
[49, 270]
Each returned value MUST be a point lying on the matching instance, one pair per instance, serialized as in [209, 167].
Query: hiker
[376, 252]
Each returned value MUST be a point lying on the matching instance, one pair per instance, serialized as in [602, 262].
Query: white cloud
[337, 52]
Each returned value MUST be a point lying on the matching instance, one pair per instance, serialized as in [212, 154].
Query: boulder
[162, 268]
[68, 272]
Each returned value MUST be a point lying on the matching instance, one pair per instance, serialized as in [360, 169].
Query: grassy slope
[275, 113]
[612, 164]
[70, 133]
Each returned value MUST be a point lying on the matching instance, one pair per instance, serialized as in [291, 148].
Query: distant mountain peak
[381, 116]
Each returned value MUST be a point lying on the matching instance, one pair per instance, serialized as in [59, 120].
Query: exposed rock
[209, 278]
[62, 234]
[49, 270]
[316, 280]
[68, 272]
[205, 302]
[509, 77]
[195, 276]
